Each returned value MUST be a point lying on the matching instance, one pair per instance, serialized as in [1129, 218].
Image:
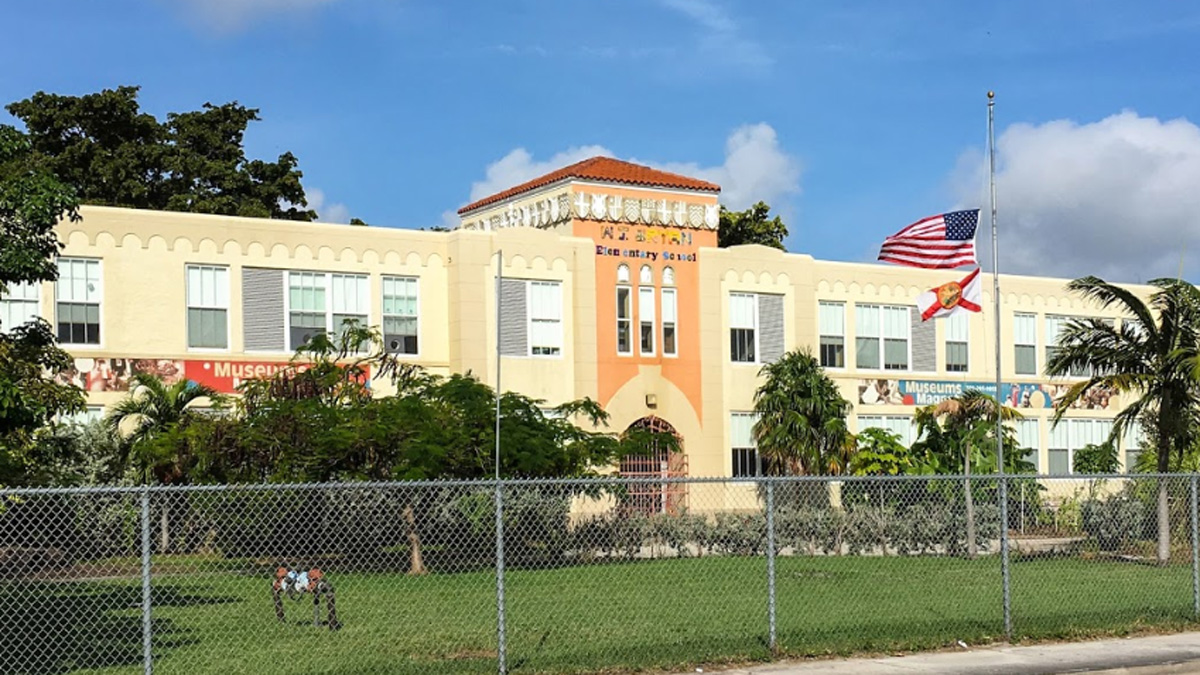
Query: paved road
[1156, 655]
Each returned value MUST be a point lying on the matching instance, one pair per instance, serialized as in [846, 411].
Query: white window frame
[187, 301]
[881, 339]
[734, 447]
[645, 296]
[383, 316]
[1039, 452]
[841, 306]
[673, 323]
[755, 327]
[628, 319]
[863, 422]
[326, 279]
[530, 320]
[10, 300]
[965, 321]
[1076, 437]
[1032, 316]
[75, 346]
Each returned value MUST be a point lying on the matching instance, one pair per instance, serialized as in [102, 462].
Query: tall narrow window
[1025, 343]
[208, 307]
[545, 318]
[400, 321]
[646, 277]
[957, 342]
[77, 295]
[624, 320]
[19, 304]
[895, 337]
[1132, 443]
[622, 274]
[744, 449]
[743, 322]
[831, 320]
[1054, 327]
[1060, 449]
[670, 346]
[646, 319]
[866, 340]
[307, 307]
[351, 301]
[1029, 441]
[668, 276]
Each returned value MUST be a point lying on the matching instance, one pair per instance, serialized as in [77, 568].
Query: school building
[613, 287]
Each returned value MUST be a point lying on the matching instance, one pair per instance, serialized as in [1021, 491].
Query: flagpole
[991, 95]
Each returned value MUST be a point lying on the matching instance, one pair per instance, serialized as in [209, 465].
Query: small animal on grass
[295, 584]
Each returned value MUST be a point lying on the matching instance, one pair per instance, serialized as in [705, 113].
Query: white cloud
[720, 34]
[755, 168]
[1115, 198]
[229, 15]
[334, 212]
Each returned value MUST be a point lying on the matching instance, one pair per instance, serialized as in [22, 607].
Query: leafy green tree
[1096, 458]
[801, 427]
[115, 154]
[151, 408]
[752, 226]
[32, 201]
[880, 453]
[1148, 360]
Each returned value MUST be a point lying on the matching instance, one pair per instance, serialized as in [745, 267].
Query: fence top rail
[600, 481]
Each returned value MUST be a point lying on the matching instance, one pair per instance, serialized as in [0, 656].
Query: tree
[1149, 360]
[958, 435]
[32, 201]
[751, 226]
[114, 154]
[801, 427]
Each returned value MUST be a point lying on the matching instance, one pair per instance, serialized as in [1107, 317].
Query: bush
[1117, 522]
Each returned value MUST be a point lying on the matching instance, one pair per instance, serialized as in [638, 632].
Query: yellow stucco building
[613, 288]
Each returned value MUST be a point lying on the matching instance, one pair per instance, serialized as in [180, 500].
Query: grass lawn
[665, 613]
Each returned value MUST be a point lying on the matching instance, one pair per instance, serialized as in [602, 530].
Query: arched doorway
[658, 463]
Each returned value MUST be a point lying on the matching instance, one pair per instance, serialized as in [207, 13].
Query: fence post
[771, 565]
[147, 655]
[1195, 555]
[501, 656]
[1004, 567]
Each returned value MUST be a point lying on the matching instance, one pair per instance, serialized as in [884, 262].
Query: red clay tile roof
[602, 169]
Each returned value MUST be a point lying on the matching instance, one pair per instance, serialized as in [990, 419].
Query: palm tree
[1150, 359]
[151, 408]
[801, 427]
[958, 434]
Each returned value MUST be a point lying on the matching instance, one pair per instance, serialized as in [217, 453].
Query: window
[1029, 440]
[745, 452]
[957, 342]
[322, 303]
[1025, 343]
[646, 319]
[1132, 442]
[668, 276]
[19, 304]
[743, 319]
[622, 274]
[400, 315]
[670, 346]
[831, 324]
[207, 307]
[882, 337]
[77, 301]
[1071, 435]
[545, 318]
[624, 320]
[900, 425]
[1055, 325]
[646, 276]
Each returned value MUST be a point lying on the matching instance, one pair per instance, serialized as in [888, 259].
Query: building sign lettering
[930, 392]
[648, 255]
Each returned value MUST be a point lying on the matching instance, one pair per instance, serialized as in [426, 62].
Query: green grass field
[614, 617]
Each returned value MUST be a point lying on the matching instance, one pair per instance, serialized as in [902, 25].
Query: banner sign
[930, 392]
[115, 374]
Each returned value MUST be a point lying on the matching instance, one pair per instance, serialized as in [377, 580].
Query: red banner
[114, 374]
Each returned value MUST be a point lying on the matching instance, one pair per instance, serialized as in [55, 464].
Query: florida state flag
[947, 299]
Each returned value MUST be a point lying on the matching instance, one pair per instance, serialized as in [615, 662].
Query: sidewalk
[1155, 655]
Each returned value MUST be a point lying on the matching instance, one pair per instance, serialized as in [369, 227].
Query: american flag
[936, 242]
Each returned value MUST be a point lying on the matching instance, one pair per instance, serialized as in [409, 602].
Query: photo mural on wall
[928, 392]
[116, 374]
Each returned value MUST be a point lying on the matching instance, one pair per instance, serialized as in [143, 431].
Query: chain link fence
[580, 575]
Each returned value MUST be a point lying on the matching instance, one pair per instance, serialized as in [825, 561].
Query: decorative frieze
[560, 208]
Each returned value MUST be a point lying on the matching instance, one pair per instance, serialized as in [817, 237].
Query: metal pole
[147, 653]
[501, 636]
[1004, 571]
[771, 565]
[1195, 554]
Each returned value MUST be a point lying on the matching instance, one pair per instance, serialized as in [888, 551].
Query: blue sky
[851, 118]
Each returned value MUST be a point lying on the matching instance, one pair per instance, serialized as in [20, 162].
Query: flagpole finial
[991, 95]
